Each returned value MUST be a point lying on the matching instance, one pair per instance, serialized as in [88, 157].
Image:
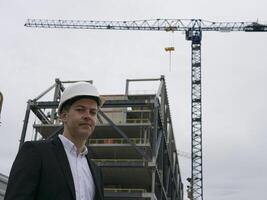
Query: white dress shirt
[81, 173]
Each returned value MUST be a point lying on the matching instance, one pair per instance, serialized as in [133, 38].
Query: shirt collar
[70, 147]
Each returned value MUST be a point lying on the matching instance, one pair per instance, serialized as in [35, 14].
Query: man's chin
[85, 133]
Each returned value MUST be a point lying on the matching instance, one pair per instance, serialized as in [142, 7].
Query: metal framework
[196, 184]
[133, 141]
[193, 29]
[3, 185]
[149, 25]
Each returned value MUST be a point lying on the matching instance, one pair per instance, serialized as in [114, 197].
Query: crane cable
[170, 48]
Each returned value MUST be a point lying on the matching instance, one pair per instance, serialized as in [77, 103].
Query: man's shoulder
[40, 143]
[41, 147]
[36, 142]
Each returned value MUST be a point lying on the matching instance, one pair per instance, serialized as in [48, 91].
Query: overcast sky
[234, 74]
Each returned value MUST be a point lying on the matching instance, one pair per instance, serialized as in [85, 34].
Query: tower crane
[193, 29]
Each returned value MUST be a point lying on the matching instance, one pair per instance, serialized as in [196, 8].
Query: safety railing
[119, 160]
[137, 120]
[117, 141]
[138, 116]
[124, 190]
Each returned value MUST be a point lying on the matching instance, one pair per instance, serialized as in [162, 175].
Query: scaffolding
[133, 141]
[3, 185]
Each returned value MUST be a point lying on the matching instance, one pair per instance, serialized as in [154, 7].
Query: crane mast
[193, 29]
[196, 183]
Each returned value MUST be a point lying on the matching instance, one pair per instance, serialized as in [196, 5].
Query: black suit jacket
[41, 171]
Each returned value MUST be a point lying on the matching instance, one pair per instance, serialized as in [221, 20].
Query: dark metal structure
[1, 104]
[133, 141]
[3, 185]
[193, 29]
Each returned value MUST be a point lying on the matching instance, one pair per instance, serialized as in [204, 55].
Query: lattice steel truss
[196, 183]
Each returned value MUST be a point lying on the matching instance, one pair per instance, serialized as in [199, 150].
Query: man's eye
[93, 112]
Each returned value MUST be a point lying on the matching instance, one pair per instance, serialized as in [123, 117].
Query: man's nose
[89, 113]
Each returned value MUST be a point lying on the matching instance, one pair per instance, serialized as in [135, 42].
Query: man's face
[80, 119]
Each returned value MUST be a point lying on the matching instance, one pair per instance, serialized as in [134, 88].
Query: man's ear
[63, 115]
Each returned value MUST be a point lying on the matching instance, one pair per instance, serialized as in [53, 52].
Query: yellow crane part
[169, 49]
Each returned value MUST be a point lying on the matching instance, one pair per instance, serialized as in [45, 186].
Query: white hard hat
[80, 89]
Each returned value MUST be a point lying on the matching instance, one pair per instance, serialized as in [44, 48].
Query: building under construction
[133, 141]
[3, 184]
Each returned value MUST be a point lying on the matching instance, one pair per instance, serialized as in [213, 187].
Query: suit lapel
[64, 164]
[96, 178]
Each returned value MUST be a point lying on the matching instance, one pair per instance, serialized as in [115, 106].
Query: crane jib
[150, 25]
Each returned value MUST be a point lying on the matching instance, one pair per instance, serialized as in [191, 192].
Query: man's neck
[79, 144]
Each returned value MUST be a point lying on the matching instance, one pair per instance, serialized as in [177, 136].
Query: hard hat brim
[99, 100]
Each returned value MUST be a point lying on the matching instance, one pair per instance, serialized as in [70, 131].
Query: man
[60, 169]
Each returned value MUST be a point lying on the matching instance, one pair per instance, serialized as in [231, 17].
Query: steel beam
[143, 154]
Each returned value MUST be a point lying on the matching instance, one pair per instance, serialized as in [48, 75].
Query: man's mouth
[85, 124]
